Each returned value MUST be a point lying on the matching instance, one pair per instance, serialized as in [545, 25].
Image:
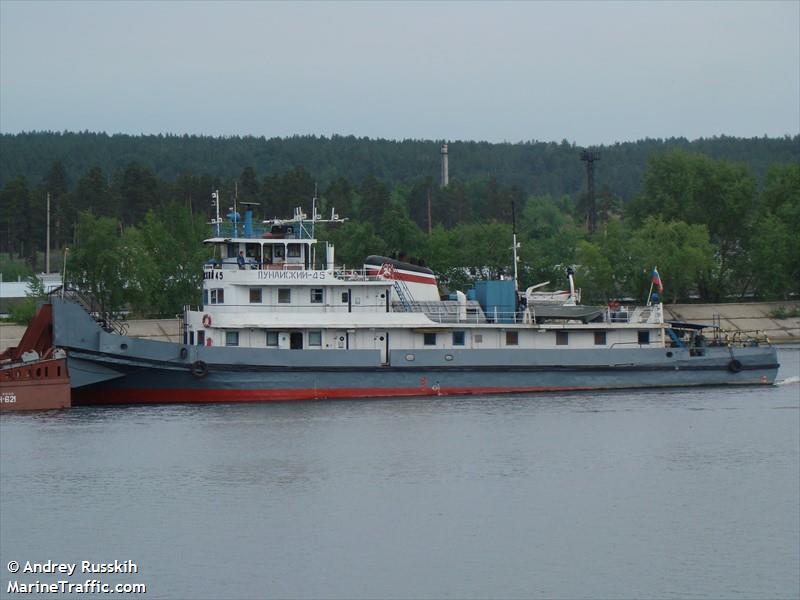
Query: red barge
[33, 375]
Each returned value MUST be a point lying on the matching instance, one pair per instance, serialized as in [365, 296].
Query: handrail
[106, 319]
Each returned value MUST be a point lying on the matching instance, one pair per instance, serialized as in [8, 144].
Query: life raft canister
[206, 320]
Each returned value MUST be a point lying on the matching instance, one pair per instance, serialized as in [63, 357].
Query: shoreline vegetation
[718, 217]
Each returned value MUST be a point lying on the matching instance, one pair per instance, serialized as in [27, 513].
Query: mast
[514, 245]
[215, 202]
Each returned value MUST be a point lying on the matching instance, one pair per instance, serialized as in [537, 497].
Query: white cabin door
[382, 344]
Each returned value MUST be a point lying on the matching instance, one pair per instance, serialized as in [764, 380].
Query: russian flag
[657, 281]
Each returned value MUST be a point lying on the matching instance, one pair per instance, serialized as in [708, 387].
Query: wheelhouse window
[458, 338]
[644, 337]
[599, 338]
[255, 295]
[316, 295]
[512, 338]
[315, 338]
[562, 338]
[284, 295]
[293, 251]
[272, 339]
[429, 339]
[217, 296]
[231, 338]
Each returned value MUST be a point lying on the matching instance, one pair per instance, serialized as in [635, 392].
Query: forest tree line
[537, 168]
[715, 231]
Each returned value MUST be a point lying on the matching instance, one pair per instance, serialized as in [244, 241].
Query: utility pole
[589, 156]
[430, 225]
[47, 250]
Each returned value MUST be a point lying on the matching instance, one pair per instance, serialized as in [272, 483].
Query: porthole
[409, 357]
[123, 346]
[448, 357]
[669, 354]
[381, 338]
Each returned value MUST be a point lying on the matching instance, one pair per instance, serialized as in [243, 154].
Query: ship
[278, 321]
[34, 374]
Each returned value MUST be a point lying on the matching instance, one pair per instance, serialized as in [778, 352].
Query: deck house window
[599, 338]
[316, 295]
[293, 251]
[430, 339]
[272, 339]
[284, 295]
[217, 296]
[458, 338]
[201, 338]
[345, 297]
[644, 337]
[205, 297]
[562, 338]
[231, 338]
[512, 338]
[255, 295]
[315, 338]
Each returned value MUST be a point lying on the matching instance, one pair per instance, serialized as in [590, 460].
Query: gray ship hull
[108, 368]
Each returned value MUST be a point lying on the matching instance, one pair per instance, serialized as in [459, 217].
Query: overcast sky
[588, 72]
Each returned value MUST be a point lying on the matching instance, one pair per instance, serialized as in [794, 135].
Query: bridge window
[599, 338]
[293, 251]
[272, 339]
[255, 295]
[218, 296]
[284, 295]
[644, 337]
[315, 338]
[458, 338]
[562, 338]
[512, 338]
[231, 338]
[316, 296]
[430, 339]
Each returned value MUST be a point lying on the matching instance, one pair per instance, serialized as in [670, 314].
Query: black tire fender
[199, 369]
[734, 366]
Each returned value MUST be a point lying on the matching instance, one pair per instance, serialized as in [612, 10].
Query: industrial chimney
[445, 175]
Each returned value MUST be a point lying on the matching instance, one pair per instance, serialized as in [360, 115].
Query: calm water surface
[649, 494]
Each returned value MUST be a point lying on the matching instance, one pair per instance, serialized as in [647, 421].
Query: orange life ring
[209, 342]
[206, 320]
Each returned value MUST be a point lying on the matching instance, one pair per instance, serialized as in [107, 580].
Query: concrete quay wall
[746, 316]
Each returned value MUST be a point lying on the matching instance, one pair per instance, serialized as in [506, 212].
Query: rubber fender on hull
[199, 369]
[734, 366]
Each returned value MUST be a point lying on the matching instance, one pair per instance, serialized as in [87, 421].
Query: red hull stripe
[204, 396]
[406, 276]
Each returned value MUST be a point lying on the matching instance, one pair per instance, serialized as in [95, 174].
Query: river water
[688, 493]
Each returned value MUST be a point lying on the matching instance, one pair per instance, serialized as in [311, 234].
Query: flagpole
[650, 293]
